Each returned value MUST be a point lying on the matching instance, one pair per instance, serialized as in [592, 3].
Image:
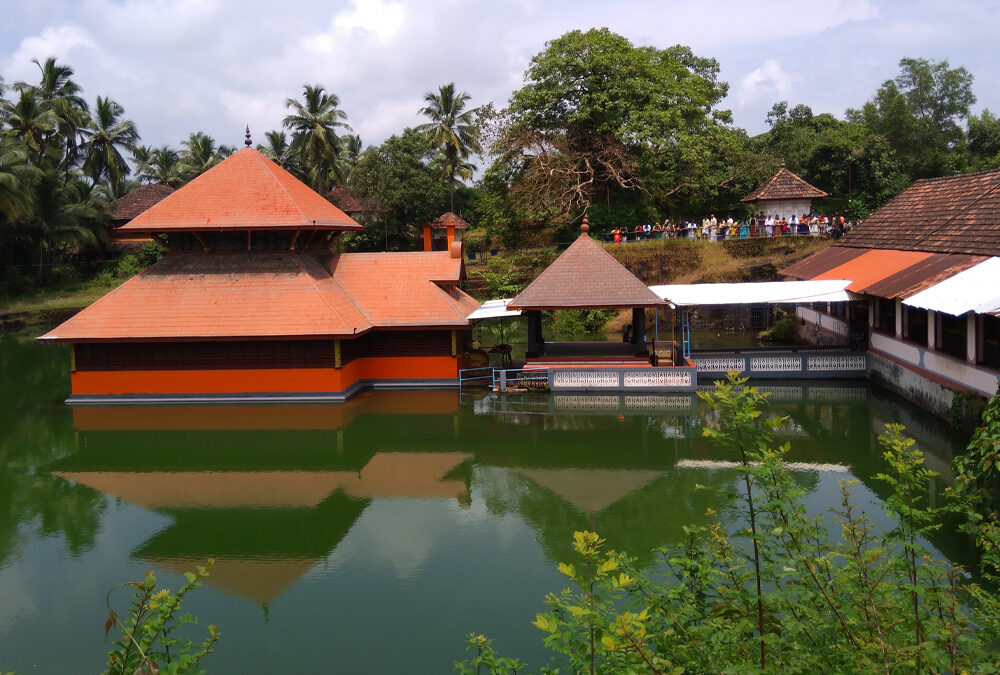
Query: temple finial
[585, 226]
[248, 141]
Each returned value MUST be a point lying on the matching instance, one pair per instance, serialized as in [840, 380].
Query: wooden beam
[201, 240]
[161, 240]
[337, 358]
[249, 232]
[295, 238]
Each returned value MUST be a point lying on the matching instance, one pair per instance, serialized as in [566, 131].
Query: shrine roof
[246, 191]
[585, 276]
[785, 185]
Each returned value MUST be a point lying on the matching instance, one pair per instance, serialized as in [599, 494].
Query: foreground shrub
[779, 594]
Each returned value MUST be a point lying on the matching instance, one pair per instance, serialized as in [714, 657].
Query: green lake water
[369, 537]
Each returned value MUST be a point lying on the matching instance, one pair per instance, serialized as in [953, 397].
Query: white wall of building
[784, 208]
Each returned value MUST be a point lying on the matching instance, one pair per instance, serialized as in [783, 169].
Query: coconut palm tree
[15, 174]
[59, 93]
[315, 121]
[161, 165]
[200, 154]
[29, 124]
[106, 138]
[453, 130]
[277, 148]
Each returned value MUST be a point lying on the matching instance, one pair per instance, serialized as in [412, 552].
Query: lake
[375, 535]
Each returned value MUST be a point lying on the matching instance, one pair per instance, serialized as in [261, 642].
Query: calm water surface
[369, 537]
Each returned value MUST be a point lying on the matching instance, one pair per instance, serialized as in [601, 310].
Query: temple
[250, 302]
[784, 195]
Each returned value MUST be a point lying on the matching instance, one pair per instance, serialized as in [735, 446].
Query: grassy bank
[665, 261]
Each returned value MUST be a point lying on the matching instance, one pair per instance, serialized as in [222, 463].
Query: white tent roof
[494, 309]
[773, 292]
[976, 289]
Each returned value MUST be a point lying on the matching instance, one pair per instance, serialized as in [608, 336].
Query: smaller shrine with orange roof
[251, 303]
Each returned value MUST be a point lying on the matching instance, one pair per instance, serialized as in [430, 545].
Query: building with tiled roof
[928, 264]
[250, 301]
[784, 195]
[127, 207]
[440, 234]
[355, 207]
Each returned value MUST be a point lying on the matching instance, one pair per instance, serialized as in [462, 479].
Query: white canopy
[976, 289]
[494, 309]
[772, 292]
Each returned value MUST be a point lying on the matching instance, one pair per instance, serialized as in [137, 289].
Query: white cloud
[769, 82]
[63, 42]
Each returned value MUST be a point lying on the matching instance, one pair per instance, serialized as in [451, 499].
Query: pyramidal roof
[585, 276]
[785, 185]
[246, 191]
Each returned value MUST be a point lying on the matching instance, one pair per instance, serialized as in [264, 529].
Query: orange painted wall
[264, 380]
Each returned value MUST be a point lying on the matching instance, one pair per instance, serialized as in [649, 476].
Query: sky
[179, 66]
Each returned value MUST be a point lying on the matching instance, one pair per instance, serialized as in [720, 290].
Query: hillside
[666, 261]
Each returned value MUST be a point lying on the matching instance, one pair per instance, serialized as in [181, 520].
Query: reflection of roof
[956, 214]
[785, 185]
[244, 191]
[447, 220]
[585, 276]
[195, 295]
[776, 292]
[258, 579]
[138, 200]
[386, 475]
[591, 490]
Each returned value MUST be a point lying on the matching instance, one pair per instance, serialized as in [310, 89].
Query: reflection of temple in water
[271, 491]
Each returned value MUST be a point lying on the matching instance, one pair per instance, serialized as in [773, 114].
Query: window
[915, 325]
[886, 316]
[952, 331]
[990, 353]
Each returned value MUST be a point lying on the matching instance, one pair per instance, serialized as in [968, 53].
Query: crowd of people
[713, 229]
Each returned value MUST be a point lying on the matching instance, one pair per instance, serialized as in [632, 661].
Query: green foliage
[570, 323]
[782, 330]
[146, 639]
[397, 174]
[151, 253]
[485, 660]
[779, 594]
[503, 278]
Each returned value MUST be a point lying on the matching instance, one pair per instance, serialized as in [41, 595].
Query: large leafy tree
[598, 115]
[277, 148]
[108, 136]
[454, 131]
[984, 140]
[397, 175]
[314, 120]
[920, 114]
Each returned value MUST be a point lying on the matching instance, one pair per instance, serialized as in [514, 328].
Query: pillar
[427, 238]
[971, 355]
[534, 331]
[871, 313]
[451, 236]
[931, 329]
[899, 319]
[638, 326]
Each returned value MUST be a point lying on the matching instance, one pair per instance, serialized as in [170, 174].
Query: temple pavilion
[251, 303]
[784, 195]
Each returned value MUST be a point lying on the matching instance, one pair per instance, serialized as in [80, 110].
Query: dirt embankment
[655, 262]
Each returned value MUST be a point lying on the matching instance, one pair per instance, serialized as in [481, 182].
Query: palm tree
[200, 154]
[105, 140]
[29, 123]
[278, 149]
[15, 174]
[350, 151]
[161, 165]
[453, 130]
[57, 92]
[315, 121]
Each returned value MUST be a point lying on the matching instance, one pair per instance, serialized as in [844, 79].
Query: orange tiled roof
[245, 191]
[785, 185]
[272, 295]
[585, 276]
[449, 219]
[138, 200]
[405, 289]
[872, 267]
